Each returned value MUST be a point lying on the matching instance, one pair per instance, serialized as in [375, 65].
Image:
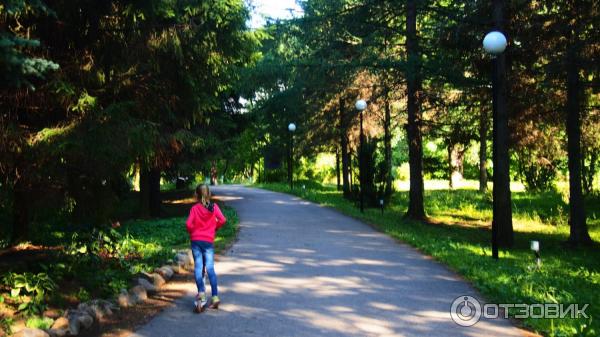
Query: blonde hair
[203, 194]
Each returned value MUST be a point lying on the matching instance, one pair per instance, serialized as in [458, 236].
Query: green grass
[162, 237]
[459, 237]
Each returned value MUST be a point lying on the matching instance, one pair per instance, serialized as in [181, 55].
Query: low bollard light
[535, 247]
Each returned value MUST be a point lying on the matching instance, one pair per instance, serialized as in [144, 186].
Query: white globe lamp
[361, 105]
[494, 43]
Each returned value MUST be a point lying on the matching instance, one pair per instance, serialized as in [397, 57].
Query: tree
[502, 197]
[578, 228]
[143, 85]
[416, 209]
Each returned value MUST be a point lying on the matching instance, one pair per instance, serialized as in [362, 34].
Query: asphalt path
[300, 269]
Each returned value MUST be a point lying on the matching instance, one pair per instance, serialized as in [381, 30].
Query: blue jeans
[204, 253]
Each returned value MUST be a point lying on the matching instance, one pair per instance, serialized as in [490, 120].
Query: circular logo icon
[465, 311]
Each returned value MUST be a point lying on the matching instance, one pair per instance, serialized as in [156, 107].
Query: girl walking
[204, 220]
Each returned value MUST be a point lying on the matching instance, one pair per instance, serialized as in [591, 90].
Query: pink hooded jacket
[202, 223]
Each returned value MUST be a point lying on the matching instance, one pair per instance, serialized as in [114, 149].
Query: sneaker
[214, 303]
[200, 303]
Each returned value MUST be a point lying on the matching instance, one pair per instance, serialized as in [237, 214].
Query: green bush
[275, 175]
[83, 295]
[29, 290]
[36, 322]
[6, 324]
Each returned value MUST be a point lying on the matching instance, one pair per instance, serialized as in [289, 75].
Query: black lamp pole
[361, 167]
[291, 129]
[291, 160]
[361, 105]
[495, 44]
[495, 155]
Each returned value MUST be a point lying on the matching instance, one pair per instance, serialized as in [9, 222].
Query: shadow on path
[300, 269]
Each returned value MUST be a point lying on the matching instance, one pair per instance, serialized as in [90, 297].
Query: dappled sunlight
[336, 263]
[370, 262]
[281, 202]
[385, 306]
[226, 198]
[358, 261]
[258, 224]
[348, 323]
[318, 319]
[433, 315]
[190, 200]
[311, 271]
[244, 309]
[254, 288]
[249, 265]
[285, 259]
[464, 184]
[339, 308]
[371, 325]
[302, 250]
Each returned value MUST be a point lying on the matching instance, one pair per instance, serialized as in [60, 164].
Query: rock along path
[300, 269]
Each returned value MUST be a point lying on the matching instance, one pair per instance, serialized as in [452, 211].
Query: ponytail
[203, 195]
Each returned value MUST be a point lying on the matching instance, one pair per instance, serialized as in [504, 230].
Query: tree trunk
[350, 173]
[144, 191]
[450, 166]
[154, 187]
[456, 156]
[337, 169]
[180, 183]
[483, 131]
[225, 171]
[344, 150]
[20, 208]
[502, 197]
[150, 201]
[387, 140]
[258, 170]
[577, 221]
[589, 172]
[416, 209]
[289, 160]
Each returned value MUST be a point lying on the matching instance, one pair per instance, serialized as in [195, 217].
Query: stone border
[74, 321]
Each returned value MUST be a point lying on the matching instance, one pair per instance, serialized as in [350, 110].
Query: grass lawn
[458, 235]
[79, 267]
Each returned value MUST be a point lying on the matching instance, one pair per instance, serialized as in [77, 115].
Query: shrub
[6, 324]
[43, 323]
[29, 290]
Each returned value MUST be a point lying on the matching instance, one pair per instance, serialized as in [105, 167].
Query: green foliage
[83, 295]
[29, 290]
[6, 324]
[156, 96]
[539, 158]
[36, 322]
[18, 66]
[137, 246]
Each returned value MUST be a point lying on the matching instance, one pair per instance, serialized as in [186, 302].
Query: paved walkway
[300, 269]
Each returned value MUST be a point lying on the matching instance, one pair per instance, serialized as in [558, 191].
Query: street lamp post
[494, 43]
[361, 105]
[291, 128]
